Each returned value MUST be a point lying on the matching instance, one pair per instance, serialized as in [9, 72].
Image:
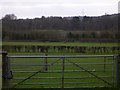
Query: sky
[38, 8]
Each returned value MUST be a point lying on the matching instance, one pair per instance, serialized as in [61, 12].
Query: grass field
[54, 74]
[53, 78]
[74, 76]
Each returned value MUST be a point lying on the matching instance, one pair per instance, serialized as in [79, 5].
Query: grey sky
[38, 8]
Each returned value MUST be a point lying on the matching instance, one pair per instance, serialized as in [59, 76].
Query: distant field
[55, 52]
[61, 43]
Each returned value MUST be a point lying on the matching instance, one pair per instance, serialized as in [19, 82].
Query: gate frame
[7, 74]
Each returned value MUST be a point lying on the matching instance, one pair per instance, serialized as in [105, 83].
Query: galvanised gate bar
[60, 71]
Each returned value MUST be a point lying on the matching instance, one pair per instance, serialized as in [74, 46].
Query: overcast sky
[38, 8]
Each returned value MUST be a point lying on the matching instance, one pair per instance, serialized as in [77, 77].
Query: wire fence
[61, 71]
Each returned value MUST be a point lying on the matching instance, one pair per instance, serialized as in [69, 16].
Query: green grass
[68, 66]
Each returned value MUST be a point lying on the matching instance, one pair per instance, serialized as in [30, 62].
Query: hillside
[75, 28]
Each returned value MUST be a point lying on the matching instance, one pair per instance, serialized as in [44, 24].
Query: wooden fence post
[118, 71]
[6, 73]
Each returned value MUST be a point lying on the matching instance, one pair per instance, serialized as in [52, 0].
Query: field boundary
[7, 73]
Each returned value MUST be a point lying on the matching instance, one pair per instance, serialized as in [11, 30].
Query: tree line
[60, 28]
[59, 49]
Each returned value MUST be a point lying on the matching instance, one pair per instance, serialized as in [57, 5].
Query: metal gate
[83, 71]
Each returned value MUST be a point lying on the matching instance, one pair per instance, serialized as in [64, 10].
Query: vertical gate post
[6, 73]
[63, 67]
[118, 71]
[45, 63]
[104, 64]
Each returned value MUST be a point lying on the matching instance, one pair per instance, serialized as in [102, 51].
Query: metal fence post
[6, 73]
[118, 71]
[63, 67]
[45, 63]
[104, 64]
